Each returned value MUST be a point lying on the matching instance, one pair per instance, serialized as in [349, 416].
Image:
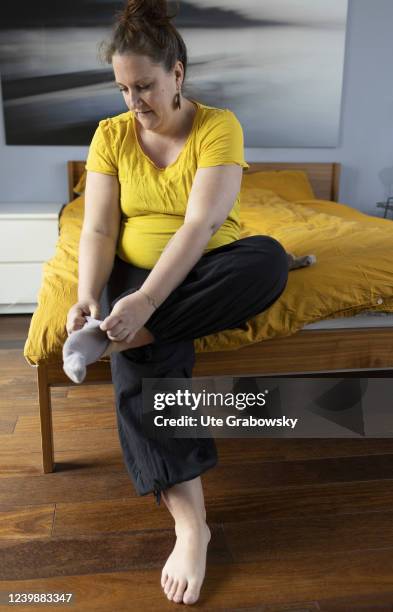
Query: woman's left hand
[128, 315]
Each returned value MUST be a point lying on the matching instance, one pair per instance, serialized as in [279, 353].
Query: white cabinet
[28, 237]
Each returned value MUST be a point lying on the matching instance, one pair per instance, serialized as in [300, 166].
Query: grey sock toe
[300, 262]
[75, 367]
[83, 347]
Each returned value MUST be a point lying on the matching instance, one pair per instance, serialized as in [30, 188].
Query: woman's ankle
[192, 528]
[185, 502]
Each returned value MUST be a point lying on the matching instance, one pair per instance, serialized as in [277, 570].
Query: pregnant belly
[143, 239]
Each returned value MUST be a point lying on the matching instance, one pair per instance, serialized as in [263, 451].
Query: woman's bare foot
[184, 571]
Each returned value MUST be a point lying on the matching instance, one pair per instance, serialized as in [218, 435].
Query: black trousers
[225, 288]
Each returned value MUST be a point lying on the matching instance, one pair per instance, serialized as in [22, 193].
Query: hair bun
[152, 11]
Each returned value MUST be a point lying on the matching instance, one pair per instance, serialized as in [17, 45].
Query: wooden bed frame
[355, 351]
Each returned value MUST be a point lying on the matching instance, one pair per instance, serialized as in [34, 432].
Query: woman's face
[147, 88]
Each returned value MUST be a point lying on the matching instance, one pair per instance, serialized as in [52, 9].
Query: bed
[347, 333]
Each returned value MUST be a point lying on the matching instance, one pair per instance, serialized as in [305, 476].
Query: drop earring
[177, 100]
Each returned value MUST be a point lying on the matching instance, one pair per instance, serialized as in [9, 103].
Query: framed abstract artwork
[277, 64]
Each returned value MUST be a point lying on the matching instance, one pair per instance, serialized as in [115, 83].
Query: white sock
[83, 347]
[300, 262]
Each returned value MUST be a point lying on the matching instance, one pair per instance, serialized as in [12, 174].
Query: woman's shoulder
[116, 125]
[210, 112]
[216, 123]
[215, 116]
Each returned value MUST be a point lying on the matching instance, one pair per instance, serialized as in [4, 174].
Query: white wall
[38, 174]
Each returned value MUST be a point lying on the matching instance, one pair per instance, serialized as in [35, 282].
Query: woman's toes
[168, 585]
[191, 594]
[178, 597]
[164, 578]
[173, 589]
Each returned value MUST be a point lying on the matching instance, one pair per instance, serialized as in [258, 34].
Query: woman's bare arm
[99, 235]
[213, 194]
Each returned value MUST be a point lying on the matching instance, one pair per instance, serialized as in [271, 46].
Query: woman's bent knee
[268, 256]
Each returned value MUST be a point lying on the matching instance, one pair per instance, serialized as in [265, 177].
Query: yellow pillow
[81, 184]
[290, 185]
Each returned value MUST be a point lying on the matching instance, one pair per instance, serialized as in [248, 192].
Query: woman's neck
[183, 120]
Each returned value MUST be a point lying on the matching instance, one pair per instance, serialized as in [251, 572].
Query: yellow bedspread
[354, 271]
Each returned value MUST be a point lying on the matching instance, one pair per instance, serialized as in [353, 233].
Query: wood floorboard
[229, 584]
[118, 513]
[71, 482]
[48, 557]
[314, 500]
[314, 536]
[231, 450]
[298, 525]
[92, 447]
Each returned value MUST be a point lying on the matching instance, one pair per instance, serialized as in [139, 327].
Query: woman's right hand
[76, 317]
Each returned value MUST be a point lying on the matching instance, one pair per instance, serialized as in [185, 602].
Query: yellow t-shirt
[154, 200]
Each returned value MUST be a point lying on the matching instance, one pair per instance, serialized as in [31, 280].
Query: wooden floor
[298, 525]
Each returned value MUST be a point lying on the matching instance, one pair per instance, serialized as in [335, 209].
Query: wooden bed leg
[46, 419]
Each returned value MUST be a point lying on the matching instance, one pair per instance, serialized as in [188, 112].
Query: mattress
[361, 320]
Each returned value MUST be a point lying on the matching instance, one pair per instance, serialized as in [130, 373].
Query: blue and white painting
[277, 64]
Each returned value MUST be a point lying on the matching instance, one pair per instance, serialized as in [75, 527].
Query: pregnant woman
[161, 262]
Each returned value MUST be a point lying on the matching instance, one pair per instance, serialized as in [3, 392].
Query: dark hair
[144, 28]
